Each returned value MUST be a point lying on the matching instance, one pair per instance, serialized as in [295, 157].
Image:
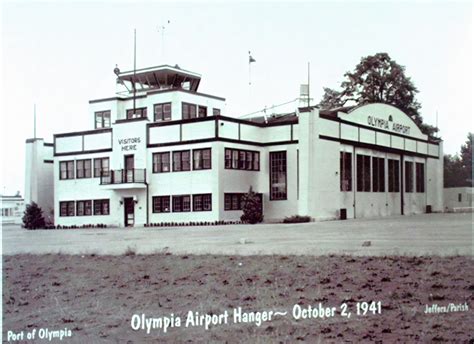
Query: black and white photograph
[237, 172]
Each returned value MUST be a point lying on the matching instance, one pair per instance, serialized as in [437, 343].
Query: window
[233, 201]
[66, 169]
[138, 113]
[161, 162]
[101, 167]
[102, 119]
[202, 111]
[393, 175]
[83, 208]
[216, 112]
[161, 204]
[66, 208]
[181, 203]
[278, 175]
[363, 173]
[420, 177]
[408, 176]
[83, 168]
[378, 174]
[345, 162]
[181, 161]
[101, 207]
[162, 112]
[459, 197]
[238, 159]
[202, 159]
[202, 202]
[188, 111]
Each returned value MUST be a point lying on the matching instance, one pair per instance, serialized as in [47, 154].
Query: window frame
[70, 172]
[158, 200]
[345, 171]
[216, 112]
[409, 175]
[199, 199]
[70, 205]
[84, 211]
[180, 200]
[420, 177]
[393, 175]
[101, 203]
[378, 174]
[188, 114]
[101, 115]
[81, 173]
[274, 196]
[364, 173]
[98, 171]
[164, 114]
[158, 165]
[142, 110]
[202, 161]
[236, 159]
[180, 152]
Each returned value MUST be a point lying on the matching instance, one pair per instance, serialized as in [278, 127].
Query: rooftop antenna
[134, 68]
[437, 123]
[34, 122]
[162, 30]
[309, 99]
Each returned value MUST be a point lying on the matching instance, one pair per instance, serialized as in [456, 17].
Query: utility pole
[134, 67]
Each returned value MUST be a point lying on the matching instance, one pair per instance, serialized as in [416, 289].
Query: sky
[60, 55]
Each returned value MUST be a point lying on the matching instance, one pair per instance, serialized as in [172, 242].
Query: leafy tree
[378, 78]
[252, 208]
[458, 169]
[33, 217]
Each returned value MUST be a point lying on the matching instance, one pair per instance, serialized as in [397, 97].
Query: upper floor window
[138, 113]
[345, 162]
[161, 162]
[162, 112]
[101, 167]
[188, 110]
[239, 159]
[216, 112]
[66, 169]
[202, 111]
[102, 119]
[181, 161]
[83, 168]
[201, 159]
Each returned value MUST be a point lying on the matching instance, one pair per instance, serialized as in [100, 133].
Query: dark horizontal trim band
[47, 161]
[85, 132]
[48, 144]
[338, 119]
[155, 92]
[84, 152]
[182, 121]
[114, 98]
[222, 139]
[127, 120]
[376, 147]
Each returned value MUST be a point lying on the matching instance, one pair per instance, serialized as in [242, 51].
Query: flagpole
[34, 123]
[134, 67]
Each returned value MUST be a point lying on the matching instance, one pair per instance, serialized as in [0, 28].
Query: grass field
[96, 296]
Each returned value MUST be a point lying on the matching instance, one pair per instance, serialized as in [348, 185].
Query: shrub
[33, 217]
[252, 208]
[297, 219]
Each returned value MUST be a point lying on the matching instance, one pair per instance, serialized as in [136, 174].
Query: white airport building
[163, 152]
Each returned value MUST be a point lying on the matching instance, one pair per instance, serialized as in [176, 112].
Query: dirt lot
[95, 297]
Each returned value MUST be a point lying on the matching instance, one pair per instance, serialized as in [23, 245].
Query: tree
[252, 208]
[458, 169]
[375, 79]
[33, 217]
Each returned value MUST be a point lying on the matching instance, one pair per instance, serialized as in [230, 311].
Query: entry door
[129, 163]
[129, 211]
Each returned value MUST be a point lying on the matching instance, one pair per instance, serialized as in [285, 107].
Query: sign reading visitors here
[129, 144]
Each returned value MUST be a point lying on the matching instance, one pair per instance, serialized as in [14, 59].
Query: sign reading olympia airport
[385, 117]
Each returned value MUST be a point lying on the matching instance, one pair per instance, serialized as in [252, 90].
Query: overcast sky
[60, 56]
